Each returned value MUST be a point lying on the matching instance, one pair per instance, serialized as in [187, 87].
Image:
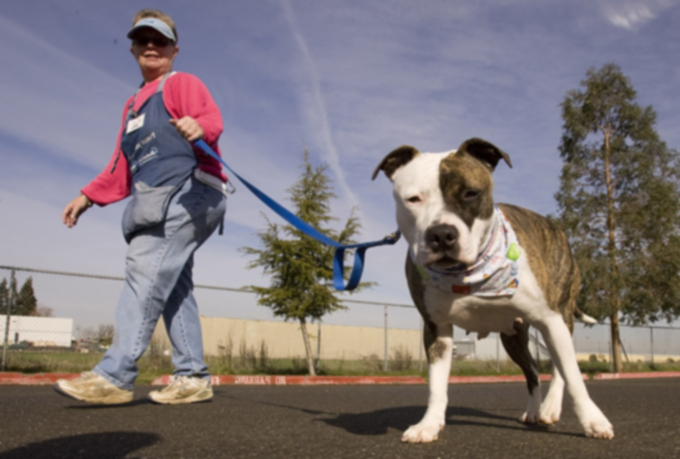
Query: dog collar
[494, 273]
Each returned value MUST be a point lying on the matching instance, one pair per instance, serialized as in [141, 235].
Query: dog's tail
[583, 317]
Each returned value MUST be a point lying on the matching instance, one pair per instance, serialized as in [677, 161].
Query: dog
[486, 268]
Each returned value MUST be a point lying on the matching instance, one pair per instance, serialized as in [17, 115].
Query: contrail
[318, 104]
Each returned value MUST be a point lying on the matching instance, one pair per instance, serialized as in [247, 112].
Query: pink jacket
[183, 95]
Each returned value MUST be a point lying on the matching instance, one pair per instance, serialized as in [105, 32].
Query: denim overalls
[159, 159]
[170, 215]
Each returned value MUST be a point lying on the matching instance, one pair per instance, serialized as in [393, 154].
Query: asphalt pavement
[336, 422]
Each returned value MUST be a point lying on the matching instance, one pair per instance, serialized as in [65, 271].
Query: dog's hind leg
[517, 347]
[439, 347]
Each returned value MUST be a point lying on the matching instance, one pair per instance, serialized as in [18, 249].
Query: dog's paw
[550, 414]
[600, 429]
[594, 422]
[532, 415]
[422, 433]
[549, 419]
[530, 418]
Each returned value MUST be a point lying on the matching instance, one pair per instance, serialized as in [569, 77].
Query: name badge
[135, 123]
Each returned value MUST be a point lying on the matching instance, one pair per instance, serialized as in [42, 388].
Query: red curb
[265, 380]
[498, 379]
[36, 379]
[658, 374]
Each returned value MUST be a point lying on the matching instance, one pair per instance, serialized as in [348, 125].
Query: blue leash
[339, 257]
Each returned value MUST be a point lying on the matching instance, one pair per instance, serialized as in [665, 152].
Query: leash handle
[306, 228]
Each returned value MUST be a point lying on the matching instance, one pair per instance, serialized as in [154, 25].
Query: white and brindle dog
[486, 268]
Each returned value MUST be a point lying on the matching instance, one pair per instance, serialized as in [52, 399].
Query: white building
[40, 331]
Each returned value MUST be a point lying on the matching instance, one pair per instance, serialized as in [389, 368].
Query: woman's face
[153, 52]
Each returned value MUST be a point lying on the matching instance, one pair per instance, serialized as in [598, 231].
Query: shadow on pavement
[109, 445]
[78, 405]
[400, 418]
[379, 421]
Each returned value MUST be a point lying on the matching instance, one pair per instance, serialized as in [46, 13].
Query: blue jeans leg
[183, 324]
[158, 281]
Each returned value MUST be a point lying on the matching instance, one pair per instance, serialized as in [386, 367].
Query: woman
[178, 200]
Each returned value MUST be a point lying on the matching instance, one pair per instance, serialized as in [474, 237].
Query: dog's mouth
[446, 263]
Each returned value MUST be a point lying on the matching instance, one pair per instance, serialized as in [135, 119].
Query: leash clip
[392, 238]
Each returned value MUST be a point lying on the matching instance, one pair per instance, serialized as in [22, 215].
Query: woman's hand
[75, 209]
[188, 128]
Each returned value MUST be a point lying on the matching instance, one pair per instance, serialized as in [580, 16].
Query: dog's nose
[441, 238]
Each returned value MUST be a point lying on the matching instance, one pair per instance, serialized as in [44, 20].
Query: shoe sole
[196, 398]
[105, 401]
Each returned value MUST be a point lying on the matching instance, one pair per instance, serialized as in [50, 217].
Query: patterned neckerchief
[494, 273]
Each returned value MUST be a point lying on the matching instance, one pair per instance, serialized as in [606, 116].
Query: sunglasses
[158, 42]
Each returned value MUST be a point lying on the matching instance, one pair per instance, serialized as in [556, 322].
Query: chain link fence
[72, 311]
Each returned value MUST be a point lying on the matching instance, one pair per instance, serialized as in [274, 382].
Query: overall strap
[162, 83]
[158, 89]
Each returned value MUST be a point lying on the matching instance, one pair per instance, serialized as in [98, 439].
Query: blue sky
[349, 80]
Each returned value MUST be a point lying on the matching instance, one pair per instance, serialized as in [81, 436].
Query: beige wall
[284, 339]
[658, 358]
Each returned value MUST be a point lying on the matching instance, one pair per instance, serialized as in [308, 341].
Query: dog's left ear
[395, 160]
[485, 152]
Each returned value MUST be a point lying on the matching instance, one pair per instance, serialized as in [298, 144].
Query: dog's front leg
[439, 346]
[558, 339]
[551, 409]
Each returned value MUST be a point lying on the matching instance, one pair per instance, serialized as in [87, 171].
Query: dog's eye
[470, 194]
[414, 199]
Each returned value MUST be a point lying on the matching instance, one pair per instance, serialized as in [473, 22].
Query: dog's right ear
[395, 160]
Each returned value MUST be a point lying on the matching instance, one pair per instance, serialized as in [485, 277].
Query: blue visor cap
[155, 24]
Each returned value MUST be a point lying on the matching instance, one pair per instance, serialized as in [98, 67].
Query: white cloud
[631, 15]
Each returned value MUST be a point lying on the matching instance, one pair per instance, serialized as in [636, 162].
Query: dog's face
[444, 200]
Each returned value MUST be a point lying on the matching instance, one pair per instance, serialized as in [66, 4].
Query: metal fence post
[10, 301]
[498, 353]
[385, 365]
[420, 347]
[651, 333]
[538, 351]
[318, 345]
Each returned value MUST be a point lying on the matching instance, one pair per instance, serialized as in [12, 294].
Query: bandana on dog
[495, 272]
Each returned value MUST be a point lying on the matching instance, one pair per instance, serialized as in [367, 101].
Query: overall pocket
[147, 207]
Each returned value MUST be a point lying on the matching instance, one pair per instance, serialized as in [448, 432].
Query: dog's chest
[485, 315]
[471, 313]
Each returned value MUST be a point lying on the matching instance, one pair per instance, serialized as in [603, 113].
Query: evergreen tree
[8, 294]
[4, 296]
[618, 203]
[301, 268]
[26, 303]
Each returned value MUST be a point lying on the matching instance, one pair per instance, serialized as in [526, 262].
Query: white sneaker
[92, 388]
[183, 389]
